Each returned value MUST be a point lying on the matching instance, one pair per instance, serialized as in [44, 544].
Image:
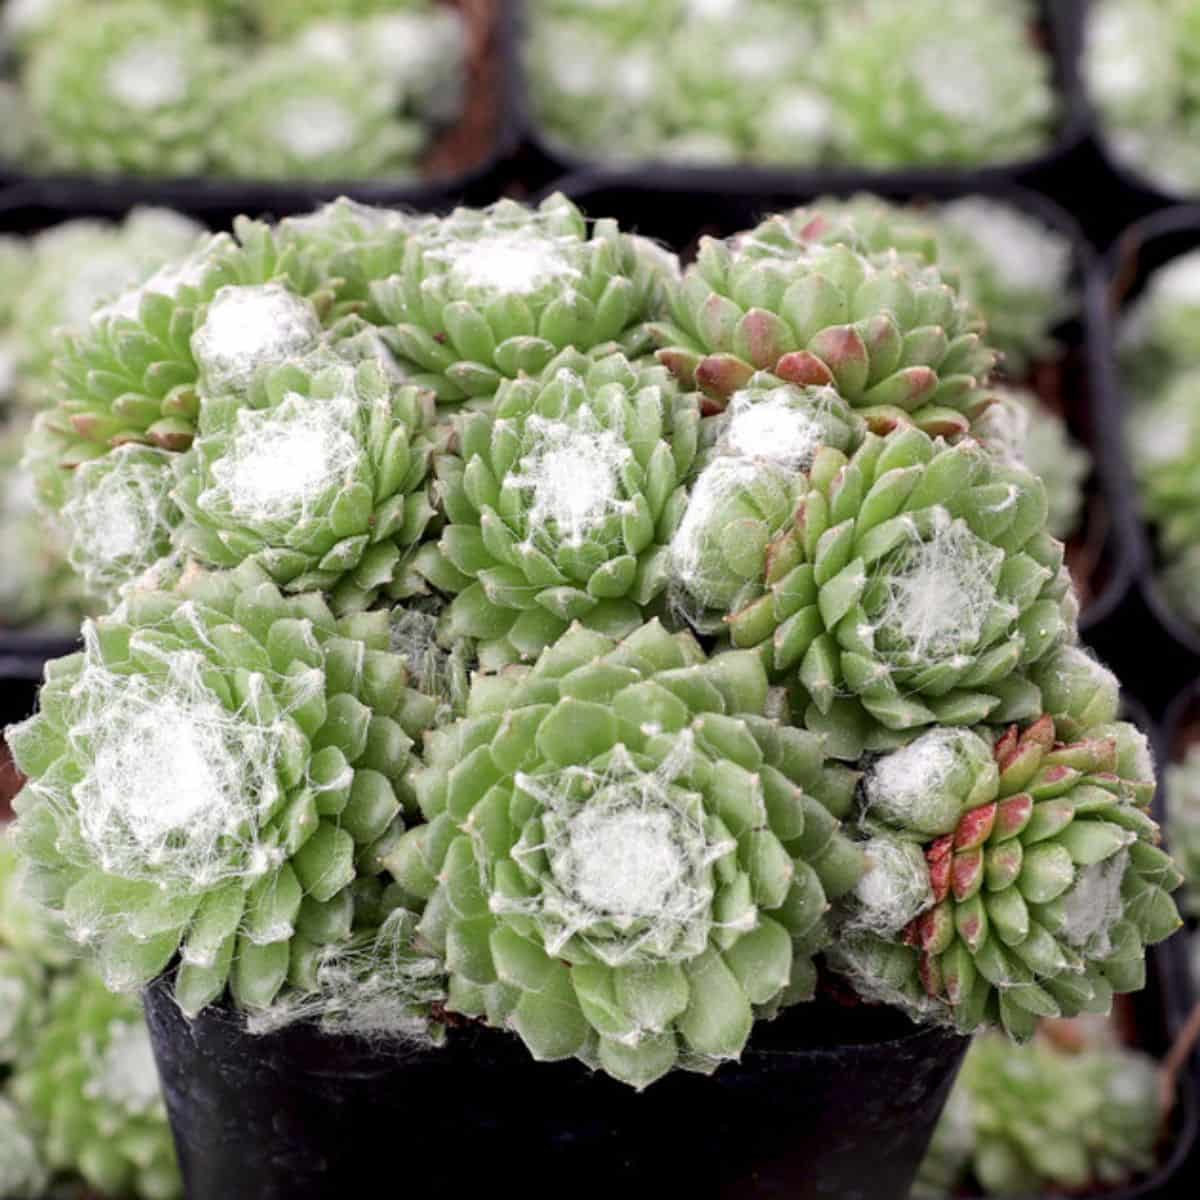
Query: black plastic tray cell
[1137, 254]
[678, 212]
[463, 166]
[1058, 28]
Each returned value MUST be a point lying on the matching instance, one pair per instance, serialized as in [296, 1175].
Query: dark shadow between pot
[680, 211]
[460, 166]
[301, 1114]
[1059, 29]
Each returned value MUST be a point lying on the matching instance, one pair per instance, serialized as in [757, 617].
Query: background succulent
[1182, 779]
[91, 1092]
[129, 90]
[1031, 1119]
[486, 295]
[623, 859]
[281, 736]
[911, 81]
[1044, 880]
[561, 505]
[22, 1171]
[1139, 65]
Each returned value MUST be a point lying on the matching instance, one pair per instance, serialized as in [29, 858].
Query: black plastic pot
[1157, 666]
[676, 210]
[219, 199]
[303, 1115]
[1061, 24]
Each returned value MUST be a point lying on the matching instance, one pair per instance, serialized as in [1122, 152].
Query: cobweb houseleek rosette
[295, 115]
[323, 481]
[911, 584]
[1043, 880]
[119, 518]
[1183, 822]
[560, 506]
[210, 777]
[912, 82]
[90, 1092]
[1027, 1120]
[22, 1171]
[487, 295]
[207, 323]
[803, 297]
[624, 861]
[130, 90]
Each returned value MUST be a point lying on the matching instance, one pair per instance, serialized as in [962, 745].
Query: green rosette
[805, 297]
[215, 776]
[324, 482]
[90, 1093]
[488, 295]
[907, 584]
[1044, 883]
[561, 505]
[624, 860]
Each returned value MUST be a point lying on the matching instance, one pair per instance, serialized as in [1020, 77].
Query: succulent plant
[1014, 269]
[485, 295]
[22, 1171]
[624, 860]
[279, 736]
[72, 268]
[1043, 881]
[803, 297]
[208, 325]
[91, 1092]
[1035, 1119]
[1182, 779]
[296, 115]
[37, 585]
[1019, 429]
[914, 584]
[421, 51]
[128, 90]
[119, 518]
[912, 82]
[281, 18]
[561, 505]
[1139, 64]
[323, 482]
[1157, 338]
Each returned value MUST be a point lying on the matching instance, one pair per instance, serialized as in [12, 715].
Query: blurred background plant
[342, 89]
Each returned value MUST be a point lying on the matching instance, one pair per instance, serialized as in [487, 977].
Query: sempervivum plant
[482, 296]
[22, 1171]
[90, 1094]
[1158, 335]
[910, 583]
[323, 481]
[1183, 821]
[1012, 878]
[209, 323]
[1038, 1119]
[804, 297]
[71, 270]
[624, 860]
[294, 114]
[561, 505]
[130, 90]
[913, 81]
[210, 777]
[1014, 269]
[1018, 428]
[1139, 66]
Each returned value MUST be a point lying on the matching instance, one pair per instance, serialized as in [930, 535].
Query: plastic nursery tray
[1141, 249]
[679, 212]
[462, 164]
[1059, 28]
